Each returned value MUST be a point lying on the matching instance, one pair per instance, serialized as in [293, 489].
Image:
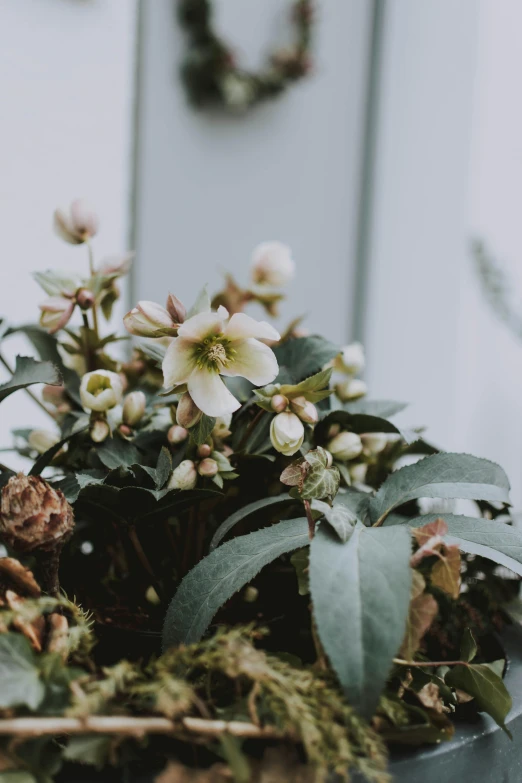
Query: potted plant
[225, 562]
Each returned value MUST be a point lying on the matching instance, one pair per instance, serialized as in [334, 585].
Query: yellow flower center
[213, 353]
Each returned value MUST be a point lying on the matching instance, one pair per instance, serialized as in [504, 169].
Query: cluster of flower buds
[208, 463]
[350, 362]
[293, 410]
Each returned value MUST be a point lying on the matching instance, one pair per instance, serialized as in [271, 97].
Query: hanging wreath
[211, 74]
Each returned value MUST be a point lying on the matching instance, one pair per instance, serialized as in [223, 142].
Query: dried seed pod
[33, 515]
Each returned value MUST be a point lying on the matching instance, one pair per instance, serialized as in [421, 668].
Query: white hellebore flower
[42, 440]
[101, 390]
[351, 359]
[209, 345]
[272, 264]
[184, 476]
[287, 433]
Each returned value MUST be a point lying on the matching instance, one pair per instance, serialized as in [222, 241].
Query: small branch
[130, 726]
[311, 521]
[93, 273]
[435, 664]
[27, 391]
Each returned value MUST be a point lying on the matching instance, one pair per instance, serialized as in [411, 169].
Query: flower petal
[210, 393]
[178, 362]
[201, 325]
[254, 361]
[242, 326]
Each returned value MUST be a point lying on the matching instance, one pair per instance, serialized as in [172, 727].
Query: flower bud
[306, 410]
[85, 298]
[176, 309]
[177, 434]
[54, 395]
[279, 403]
[133, 408]
[125, 430]
[56, 313]
[99, 430]
[287, 433]
[358, 472]
[187, 413]
[345, 446]
[33, 515]
[351, 359]
[42, 440]
[222, 427]
[351, 390]
[204, 451]
[208, 467]
[374, 442]
[77, 226]
[184, 476]
[149, 319]
[101, 390]
[272, 264]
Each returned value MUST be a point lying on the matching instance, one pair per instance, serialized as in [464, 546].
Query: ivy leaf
[486, 537]
[222, 573]
[304, 356]
[19, 674]
[486, 687]
[244, 512]
[320, 480]
[201, 431]
[361, 595]
[468, 646]
[441, 476]
[28, 372]
[339, 517]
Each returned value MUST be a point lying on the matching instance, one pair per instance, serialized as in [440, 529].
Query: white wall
[66, 87]
[212, 186]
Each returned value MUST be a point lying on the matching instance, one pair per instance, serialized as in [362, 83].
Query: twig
[435, 664]
[131, 726]
[27, 391]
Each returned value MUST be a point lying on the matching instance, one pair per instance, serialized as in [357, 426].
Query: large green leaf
[361, 594]
[246, 511]
[115, 452]
[222, 573]
[304, 356]
[488, 689]
[441, 476]
[21, 685]
[486, 537]
[28, 372]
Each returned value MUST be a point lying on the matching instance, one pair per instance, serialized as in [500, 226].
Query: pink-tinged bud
[184, 476]
[125, 430]
[345, 446]
[78, 225]
[177, 434]
[116, 265]
[279, 403]
[374, 442]
[204, 451]
[187, 413]
[149, 319]
[53, 395]
[56, 313]
[351, 390]
[42, 440]
[133, 408]
[272, 264]
[176, 309]
[306, 410]
[85, 298]
[99, 430]
[208, 468]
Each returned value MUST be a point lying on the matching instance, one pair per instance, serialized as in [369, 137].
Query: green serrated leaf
[356, 501]
[361, 594]
[304, 356]
[222, 573]
[341, 519]
[28, 372]
[315, 383]
[301, 562]
[19, 673]
[202, 431]
[117, 452]
[163, 467]
[486, 687]
[441, 476]
[244, 513]
[202, 303]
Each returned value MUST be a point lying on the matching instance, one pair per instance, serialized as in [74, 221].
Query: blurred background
[402, 145]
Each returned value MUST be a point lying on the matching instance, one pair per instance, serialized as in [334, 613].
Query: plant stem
[27, 391]
[250, 429]
[144, 560]
[311, 522]
[434, 664]
[49, 566]
[92, 272]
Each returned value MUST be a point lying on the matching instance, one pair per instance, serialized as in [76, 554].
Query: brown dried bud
[33, 515]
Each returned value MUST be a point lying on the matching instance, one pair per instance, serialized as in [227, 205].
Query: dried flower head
[34, 515]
